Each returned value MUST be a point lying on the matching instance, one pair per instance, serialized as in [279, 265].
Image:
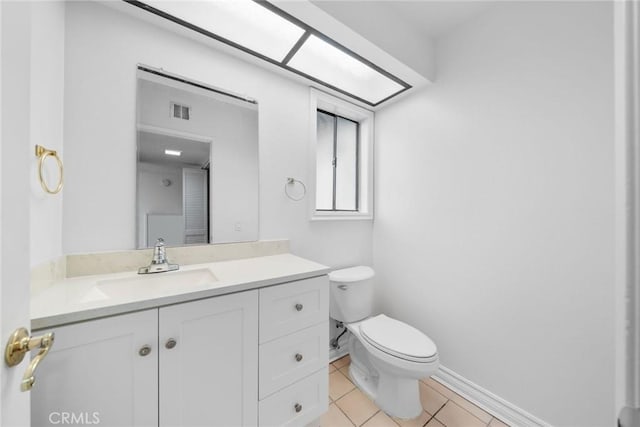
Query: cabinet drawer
[279, 364]
[298, 404]
[293, 306]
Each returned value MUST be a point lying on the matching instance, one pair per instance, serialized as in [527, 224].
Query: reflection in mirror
[173, 188]
[197, 164]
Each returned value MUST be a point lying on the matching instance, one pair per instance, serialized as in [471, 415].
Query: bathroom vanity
[234, 343]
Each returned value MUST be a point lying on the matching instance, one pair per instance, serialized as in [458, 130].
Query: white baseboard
[496, 406]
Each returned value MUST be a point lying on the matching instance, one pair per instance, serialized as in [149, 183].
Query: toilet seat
[398, 339]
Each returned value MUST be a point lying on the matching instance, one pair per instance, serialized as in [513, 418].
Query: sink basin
[155, 284]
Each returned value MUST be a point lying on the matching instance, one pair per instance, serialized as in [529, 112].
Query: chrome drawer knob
[298, 357]
[170, 343]
[297, 407]
[144, 350]
[299, 307]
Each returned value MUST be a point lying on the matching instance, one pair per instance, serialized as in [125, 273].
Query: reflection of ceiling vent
[180, 111]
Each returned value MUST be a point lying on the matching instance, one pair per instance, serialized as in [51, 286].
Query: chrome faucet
[159, 262]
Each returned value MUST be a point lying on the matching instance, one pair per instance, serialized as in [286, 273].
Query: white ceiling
[436, 18]
[151, 148]
[429, 18]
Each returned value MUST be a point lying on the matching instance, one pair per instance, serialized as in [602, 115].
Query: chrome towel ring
[293, 181]
[42, 153]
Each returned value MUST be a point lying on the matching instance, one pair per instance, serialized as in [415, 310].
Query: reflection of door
[15, 39]
[194, 205]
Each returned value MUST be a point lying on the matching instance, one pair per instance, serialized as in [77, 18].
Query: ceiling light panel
[243, 22]
[261, 29]
[327, 63]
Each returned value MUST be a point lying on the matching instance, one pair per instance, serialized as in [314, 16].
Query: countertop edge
[135, 306]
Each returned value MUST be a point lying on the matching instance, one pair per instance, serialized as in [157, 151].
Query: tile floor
[349, 407]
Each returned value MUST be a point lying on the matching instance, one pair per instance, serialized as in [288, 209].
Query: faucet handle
[159, 256]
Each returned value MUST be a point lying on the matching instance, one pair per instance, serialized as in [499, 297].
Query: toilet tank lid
[352, 274]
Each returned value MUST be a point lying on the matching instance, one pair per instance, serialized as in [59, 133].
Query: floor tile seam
[440, 409]
[454, 403]
[459, 396]
[345, 414]
[349, 391]
[367, 420]
[429, 419]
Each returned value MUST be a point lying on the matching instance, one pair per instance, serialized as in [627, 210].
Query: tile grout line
[436, 413]
[348, 379]
[344, 413]
[367, 420]
[351, 391]
[429, 420]
[347, 415]
[454, 403]
[462, 398]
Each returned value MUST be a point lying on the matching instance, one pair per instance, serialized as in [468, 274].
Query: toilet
[388, 357]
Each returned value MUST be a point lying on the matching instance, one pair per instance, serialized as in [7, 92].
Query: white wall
[494, 221]
[102, 49]
[47, 91]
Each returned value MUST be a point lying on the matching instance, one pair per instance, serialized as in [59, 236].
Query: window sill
[341, 216]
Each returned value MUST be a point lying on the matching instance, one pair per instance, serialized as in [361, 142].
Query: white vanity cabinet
[102, 372]
[125, 370]
[209, 362]
[294, 352]
[255, 357]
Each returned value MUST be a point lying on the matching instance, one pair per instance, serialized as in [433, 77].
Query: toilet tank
[351, 294]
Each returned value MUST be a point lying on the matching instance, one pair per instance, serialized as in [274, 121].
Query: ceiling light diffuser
[332, 65]
[263, 30]
[243, 22]
[176, 153]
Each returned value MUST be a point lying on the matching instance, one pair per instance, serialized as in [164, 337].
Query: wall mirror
[197, 162]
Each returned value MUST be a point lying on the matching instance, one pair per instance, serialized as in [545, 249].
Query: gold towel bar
[42, 153]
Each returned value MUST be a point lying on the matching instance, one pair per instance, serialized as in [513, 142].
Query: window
[336, 163]
[342, 161]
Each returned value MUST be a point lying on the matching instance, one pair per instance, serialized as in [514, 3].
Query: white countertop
[84, 298]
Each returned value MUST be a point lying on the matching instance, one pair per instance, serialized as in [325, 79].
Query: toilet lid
[398, 339]
[352, 274]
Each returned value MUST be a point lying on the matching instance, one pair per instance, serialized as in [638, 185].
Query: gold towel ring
[42, 153]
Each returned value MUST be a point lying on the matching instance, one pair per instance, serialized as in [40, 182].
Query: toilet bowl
[388, 357]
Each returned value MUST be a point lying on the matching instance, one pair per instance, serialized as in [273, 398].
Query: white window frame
[323, 101]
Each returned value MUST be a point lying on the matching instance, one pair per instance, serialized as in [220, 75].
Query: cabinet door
[95, 374]
[209, 362]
